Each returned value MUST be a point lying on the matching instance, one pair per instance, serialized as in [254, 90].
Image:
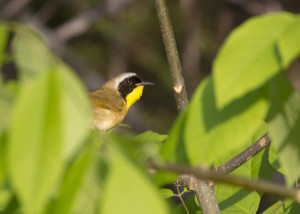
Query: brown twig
[250, 184]
[172, 55]
[11, 8]
[244, 156]
[202, 189]
[83, 21]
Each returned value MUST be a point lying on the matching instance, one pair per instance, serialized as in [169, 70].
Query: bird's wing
[107, 99]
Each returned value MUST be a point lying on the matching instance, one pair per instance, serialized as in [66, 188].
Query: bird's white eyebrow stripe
[122, 77]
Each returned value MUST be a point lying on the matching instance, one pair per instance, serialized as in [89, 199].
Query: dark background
[101, 39]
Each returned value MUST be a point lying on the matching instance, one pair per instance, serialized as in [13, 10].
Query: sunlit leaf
[289, 43]
[126, 181]
[88, 195]
[284, 125]
[274, 158]
[75, 110]
[237, 200]
[166, 193]
[73, 179]
[151, 136]
[174, 149]
[40, 140]
[206, 134]
[252, 55]
[36, 145]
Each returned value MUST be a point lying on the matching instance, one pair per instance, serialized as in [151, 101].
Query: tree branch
[172, 55]
[244, 156]
[12, 8]
[250, 184]
[202, 189]
[83, 21]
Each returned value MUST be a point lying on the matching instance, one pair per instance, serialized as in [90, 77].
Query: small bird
[111, 102]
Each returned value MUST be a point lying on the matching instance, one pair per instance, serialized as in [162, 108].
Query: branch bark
[172, 55]
[12, 8]
[202, 189]
[250, 184]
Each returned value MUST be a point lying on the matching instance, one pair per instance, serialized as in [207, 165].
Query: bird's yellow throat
[134, 95]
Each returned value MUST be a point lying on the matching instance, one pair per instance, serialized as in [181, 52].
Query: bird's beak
[144, 83]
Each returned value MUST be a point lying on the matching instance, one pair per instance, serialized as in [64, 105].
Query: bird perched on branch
[111, 102]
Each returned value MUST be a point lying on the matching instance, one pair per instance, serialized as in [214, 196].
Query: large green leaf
[284, 125]
[73, 179]
[274, 158]
[206, 134]
[174, 148]
[36, 145]
[237, 200]
[75, 110]
[40, 140]
[253, 53]
[128, 186]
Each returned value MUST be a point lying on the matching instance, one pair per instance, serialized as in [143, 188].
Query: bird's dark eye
[128, 82]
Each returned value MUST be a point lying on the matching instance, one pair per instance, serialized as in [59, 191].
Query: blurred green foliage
[51, 162]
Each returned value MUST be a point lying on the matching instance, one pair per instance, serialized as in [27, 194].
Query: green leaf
[130, 187]
[284, 125]
[206, 134]
[289, 42]
[289, 207]
[73, 179]
[30, 53]
[75, 110]
[237, 200]
[151, 136]
[251, 55]
[40, 141]
[166, 193]
[36, 146]
[174, 148]
[90, 191]
[150, 143]
[274, 158]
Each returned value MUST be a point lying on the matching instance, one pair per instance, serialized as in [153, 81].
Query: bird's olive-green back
[107, 98]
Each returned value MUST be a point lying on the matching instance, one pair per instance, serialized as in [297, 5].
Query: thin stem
[172, 55]
[181, 199]
[180, 93]
[250, 184]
